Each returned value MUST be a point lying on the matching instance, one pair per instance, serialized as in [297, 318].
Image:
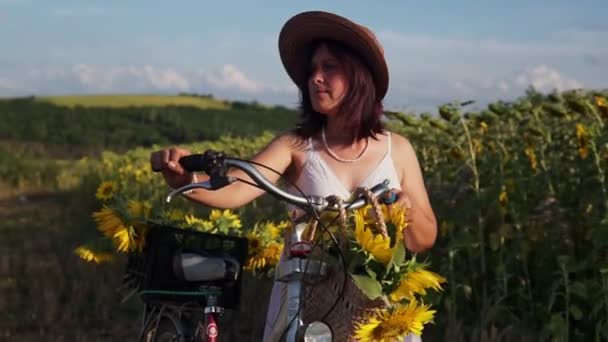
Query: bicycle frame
[212, 313]
[207, 329]
[293, 271]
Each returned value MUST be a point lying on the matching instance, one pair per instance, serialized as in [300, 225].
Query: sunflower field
[519, 190]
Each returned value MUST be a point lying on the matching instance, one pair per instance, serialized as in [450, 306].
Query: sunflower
[391, 324]
[142, 175]
[139, 209]
[254, 238]
[227, 217]
[200, 224]
[106, 190]
[89, 255]
[529, 151]
[503, 199]
[483, 127]
[275, 230]
[581, 136]
[272, 253]
[395, 216]
[417, 282]
[174, 214]
[124, 239]
[139, 237]
[108, 221]
[267, 257]
[380, 247]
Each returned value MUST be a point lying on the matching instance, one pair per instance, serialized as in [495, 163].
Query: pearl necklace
[331, 153]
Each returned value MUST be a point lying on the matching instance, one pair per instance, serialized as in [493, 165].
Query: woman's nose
[317, 76]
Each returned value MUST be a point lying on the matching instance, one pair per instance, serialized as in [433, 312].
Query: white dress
[317, 178]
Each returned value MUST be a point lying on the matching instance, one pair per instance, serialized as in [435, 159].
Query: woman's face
[327, 82]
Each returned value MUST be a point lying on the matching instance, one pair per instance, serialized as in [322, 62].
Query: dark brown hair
[364, 112]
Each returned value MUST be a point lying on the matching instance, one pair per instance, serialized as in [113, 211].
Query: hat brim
[302, 30]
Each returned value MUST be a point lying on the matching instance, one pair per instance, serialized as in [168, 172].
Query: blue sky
[437, 51]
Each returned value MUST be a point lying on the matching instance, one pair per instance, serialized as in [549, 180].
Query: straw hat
[303, 29]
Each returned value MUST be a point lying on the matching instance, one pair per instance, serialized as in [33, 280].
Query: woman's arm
[422, 230]
[276, 155]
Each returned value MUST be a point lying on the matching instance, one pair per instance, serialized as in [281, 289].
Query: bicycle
[297, 270]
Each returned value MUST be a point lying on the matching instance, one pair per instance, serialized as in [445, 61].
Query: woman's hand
[398, 197]
[167, 162]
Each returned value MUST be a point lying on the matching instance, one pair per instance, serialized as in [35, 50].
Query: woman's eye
[330, 66]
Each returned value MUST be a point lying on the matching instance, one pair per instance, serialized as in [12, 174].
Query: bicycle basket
[350, 307]
[153, 269]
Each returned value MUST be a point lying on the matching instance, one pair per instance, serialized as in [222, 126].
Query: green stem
[543, 160]
[453, 287]
[501, 173]
[567, 298]
[601, 176]
[604, 276]
[480, 235]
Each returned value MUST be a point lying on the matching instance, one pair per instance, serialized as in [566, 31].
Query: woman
[340, 144]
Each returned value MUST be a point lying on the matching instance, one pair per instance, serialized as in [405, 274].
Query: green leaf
[371, 272]
[576, 313]
[369, 286]
[494, 242]
[579, 289]
[556, 325]
[398, 256]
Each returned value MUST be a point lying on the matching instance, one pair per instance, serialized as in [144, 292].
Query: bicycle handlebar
[216, 164]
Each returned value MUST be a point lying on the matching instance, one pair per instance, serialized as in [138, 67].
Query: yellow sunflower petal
[416, 283]
[107, 221]
[392, 324]
[89, 255]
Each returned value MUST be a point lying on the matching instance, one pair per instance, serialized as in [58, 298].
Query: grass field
[47, 293]
[121, 101]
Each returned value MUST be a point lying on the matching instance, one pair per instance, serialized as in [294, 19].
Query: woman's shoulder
[399, 141]
[291, 139]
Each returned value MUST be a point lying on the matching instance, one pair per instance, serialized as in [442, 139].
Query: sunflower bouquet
[391, 283]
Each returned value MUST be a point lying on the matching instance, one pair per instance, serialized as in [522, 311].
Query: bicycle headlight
[317, 332]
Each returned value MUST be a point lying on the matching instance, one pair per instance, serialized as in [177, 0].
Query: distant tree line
[83, 130]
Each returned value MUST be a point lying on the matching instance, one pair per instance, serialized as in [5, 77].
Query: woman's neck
[336, 133]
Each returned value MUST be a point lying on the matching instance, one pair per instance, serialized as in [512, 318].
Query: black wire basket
[151, 272]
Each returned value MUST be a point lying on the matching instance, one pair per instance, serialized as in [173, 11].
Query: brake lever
[214, 183]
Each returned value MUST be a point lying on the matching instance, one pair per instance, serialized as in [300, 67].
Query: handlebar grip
[390, 198]
[194, 162]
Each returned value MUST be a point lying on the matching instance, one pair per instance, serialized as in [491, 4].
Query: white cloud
[8, 86]
[428, 70]
[232, 78]
[229, 77]
[227, 82]
[121, 77]
[542, 77]
[545, 79]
